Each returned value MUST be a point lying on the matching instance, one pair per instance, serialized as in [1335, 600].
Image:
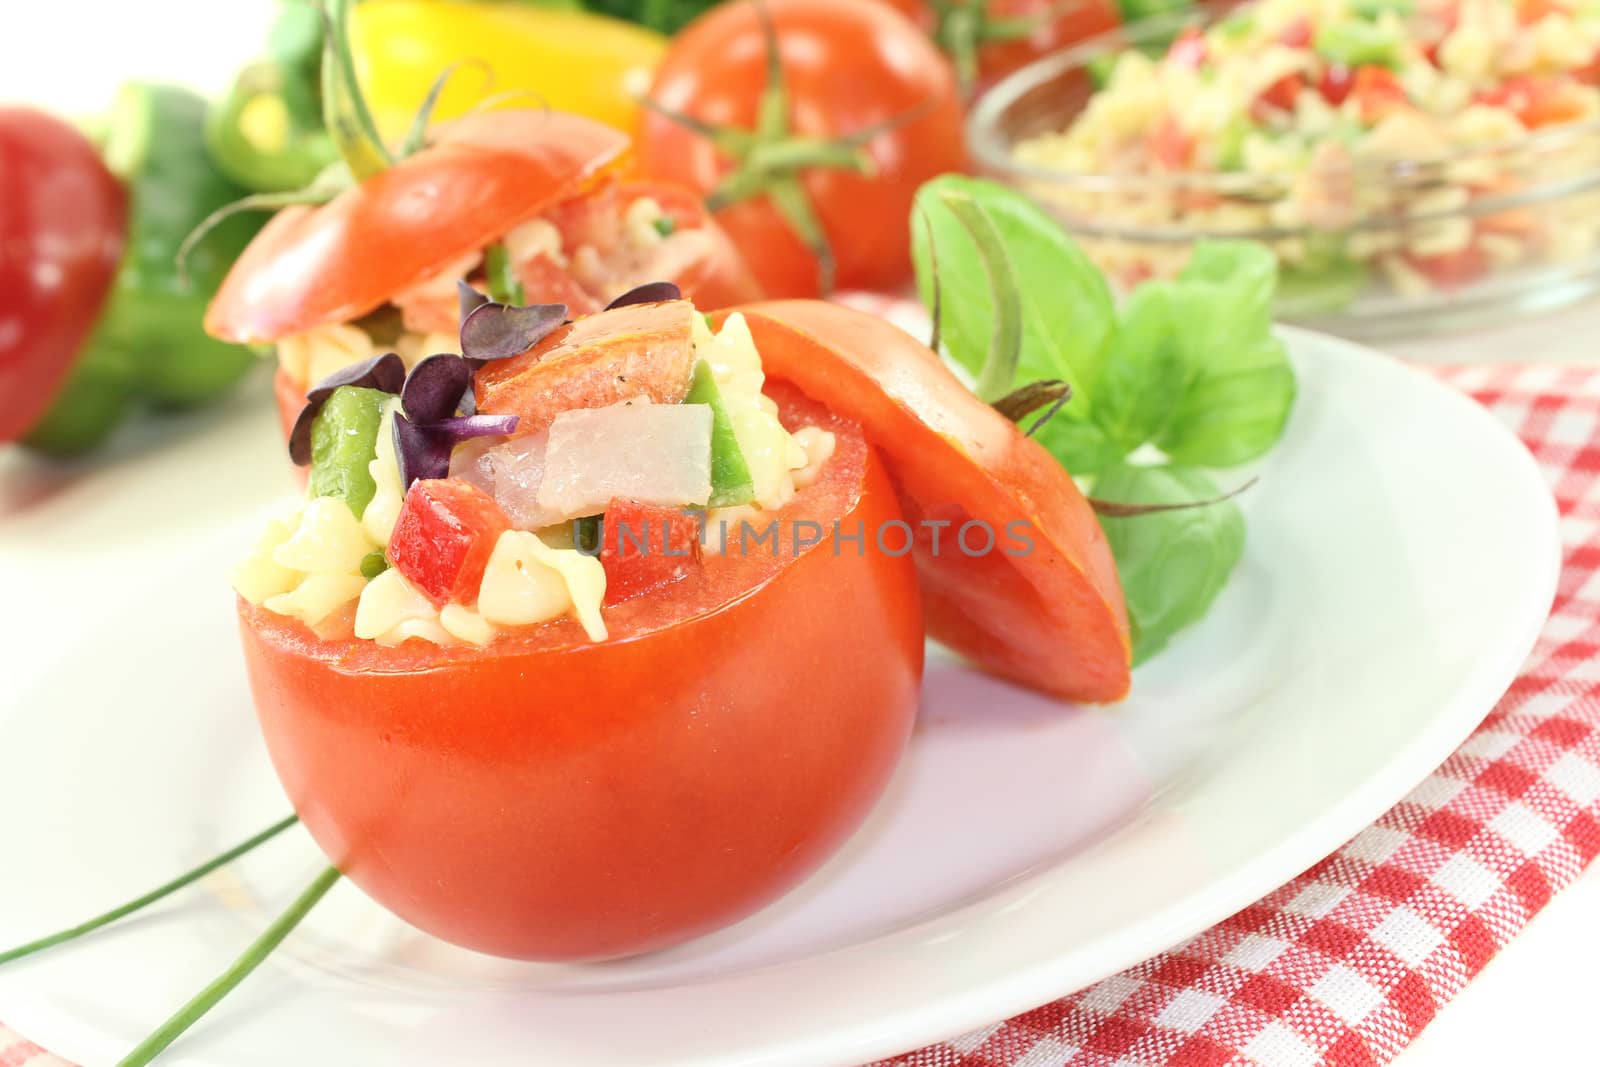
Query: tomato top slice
[1052, 616]
[482, 175]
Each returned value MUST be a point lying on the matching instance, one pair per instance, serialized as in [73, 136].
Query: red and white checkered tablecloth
[1347, 963]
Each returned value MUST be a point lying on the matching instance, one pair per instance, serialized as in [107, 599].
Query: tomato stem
[416, 135]
[1051, 394]
[344, 108]
[151, 897]
[208, 998]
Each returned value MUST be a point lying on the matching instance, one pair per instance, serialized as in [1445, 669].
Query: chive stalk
[208, 998]
[149, 898]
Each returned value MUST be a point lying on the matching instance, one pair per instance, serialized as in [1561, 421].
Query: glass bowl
[1367, 249]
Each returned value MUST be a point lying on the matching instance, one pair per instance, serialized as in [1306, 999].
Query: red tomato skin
[644, 547]
[553, 799]
[716, 71]
[63, 222]
[443, 537]
[1052, 618]
[483, 174]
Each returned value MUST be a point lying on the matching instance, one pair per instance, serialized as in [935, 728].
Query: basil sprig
[1186, 371]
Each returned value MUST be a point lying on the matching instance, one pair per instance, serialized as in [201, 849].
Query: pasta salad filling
[1296, 97]
[471, 495]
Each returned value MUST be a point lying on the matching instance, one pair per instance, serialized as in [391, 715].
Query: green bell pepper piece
[344, 441]
[266, 132]
[1357, 43]
[730, 474]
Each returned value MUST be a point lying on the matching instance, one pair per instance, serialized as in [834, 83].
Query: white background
[1535, 1004]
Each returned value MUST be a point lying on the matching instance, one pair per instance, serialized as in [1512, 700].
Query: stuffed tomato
[587, 672]
[534, 203]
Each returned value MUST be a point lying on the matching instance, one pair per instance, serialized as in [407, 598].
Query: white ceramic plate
[1402, 557]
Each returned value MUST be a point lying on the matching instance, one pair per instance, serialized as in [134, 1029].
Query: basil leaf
[1240, 387]
[1236, 409]
[1148, 371]
[1081, 447]
[1174, 563]
[1067, 312]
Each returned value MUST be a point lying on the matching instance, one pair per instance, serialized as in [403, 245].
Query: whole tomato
[63, 220]
[810, 140]
[988, 39]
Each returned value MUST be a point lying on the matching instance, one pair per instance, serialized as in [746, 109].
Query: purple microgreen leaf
[434, 388]
[423, 451]
[300, 436]
[469, 299]
[648, 293]
[419, 452]
[499, 331]
[386, 373]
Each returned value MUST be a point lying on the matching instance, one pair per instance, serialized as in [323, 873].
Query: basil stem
[151, 897]
[208, 998]
[999, 370]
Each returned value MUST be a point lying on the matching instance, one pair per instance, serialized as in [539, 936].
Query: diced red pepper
[1379, 93]
[1188, 50]
[645, 547]
[1336, 83]
[1278, 98]
[1536, 101]
[1452, 270]
[1169, 145]
[1296, 34]
[444, 537]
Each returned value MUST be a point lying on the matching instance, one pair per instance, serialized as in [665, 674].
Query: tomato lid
[480, 176]
[1030, 592]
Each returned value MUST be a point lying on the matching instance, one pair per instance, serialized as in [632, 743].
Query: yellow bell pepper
[571, 60]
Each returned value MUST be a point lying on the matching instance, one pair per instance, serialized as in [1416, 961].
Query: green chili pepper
[730, 474]
[267, 133]
[344, 439]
